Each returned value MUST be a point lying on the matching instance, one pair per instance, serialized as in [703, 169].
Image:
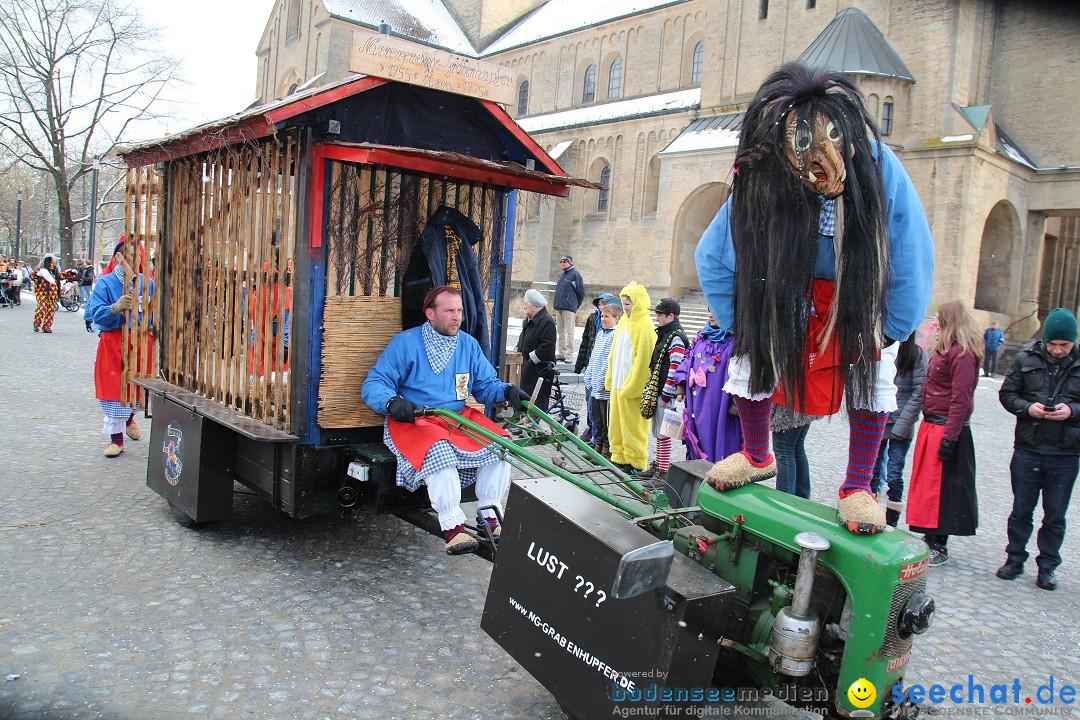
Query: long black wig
[774, 224]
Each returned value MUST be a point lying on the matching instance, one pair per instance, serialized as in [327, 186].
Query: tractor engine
[748, 591]
[816, 608]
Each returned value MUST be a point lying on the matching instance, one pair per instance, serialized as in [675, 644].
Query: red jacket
[950, 388]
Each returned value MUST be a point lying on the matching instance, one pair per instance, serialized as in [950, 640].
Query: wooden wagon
[279, 239]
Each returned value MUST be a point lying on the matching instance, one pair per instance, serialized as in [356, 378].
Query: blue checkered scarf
[439, 348]
[827, 218]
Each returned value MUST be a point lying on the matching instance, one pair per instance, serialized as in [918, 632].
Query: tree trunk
[63, 210]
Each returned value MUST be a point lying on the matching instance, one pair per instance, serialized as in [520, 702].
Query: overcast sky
[215, 41]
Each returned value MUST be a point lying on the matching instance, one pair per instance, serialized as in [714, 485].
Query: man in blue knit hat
[1042, 389]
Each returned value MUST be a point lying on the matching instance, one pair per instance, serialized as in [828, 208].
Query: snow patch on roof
[425, 20]
[557, 151]
[957, 138]
[556, 17]
[610, 112]
[1006, 147]
[712, 133]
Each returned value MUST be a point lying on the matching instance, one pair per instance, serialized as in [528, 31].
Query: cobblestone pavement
[110, 609]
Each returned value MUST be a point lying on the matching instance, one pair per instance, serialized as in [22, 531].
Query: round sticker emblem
[173, 453]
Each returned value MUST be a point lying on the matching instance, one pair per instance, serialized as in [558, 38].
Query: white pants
[444, 491]
[565, 322]
[738, 382]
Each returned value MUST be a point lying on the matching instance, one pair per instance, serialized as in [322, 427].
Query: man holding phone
[1042, 388]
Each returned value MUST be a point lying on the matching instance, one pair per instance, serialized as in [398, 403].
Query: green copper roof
[851, 43]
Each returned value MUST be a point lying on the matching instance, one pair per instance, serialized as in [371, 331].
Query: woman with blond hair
[942, 500]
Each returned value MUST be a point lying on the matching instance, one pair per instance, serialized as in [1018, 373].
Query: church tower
[484, 20]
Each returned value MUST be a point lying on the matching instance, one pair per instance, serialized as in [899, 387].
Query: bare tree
[74, 76]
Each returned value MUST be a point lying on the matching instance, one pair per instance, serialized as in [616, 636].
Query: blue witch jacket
[911, 257]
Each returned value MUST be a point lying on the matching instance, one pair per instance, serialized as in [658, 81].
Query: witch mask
[814, 151]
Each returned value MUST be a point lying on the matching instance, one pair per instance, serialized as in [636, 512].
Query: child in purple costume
[710, 431]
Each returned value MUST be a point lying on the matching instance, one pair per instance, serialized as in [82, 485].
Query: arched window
[697, 62]
[292, 25]
[872, 102]
[523, 98]
[652, 186]
[602, 197]
[886, 116]
[588, 88]
[614, 79]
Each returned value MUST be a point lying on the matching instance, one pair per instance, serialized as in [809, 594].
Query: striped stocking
[756, 419]
[663, 454]
[867, 428]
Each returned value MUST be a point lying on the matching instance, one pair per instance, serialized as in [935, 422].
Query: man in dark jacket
[86, 281]
[1042, 388]
[537, 347]
[569, 293]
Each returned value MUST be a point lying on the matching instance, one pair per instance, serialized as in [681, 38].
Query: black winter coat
[1033, 378]
[537, 348]
[588, 337]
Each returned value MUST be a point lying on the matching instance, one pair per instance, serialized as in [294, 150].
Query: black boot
[649, 474]
[892, 512]
[1010, 570]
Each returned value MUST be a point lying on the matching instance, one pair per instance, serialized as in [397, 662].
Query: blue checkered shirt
[827, 218]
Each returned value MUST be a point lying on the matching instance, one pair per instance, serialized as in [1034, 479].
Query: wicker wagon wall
[355, 331]
[142, 221]
[376, 216]
[230, 227]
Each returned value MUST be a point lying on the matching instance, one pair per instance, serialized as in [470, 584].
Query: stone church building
[645, 97]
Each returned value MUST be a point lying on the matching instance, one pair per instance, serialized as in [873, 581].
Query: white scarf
[43, 273]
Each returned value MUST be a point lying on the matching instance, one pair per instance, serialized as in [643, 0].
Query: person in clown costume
[627, 373]
[820, 262]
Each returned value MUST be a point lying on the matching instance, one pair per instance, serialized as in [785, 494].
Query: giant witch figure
[820, 262]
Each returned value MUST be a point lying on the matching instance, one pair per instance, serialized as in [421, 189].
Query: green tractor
[622, 604]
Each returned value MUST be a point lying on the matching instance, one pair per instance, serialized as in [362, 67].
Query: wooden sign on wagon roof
[392, 58]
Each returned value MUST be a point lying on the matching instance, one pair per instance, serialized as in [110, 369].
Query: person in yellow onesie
[627, 373]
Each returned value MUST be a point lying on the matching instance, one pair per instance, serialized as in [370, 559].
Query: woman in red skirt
[942, 500]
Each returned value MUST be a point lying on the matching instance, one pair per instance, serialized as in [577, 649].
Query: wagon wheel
[181, 517]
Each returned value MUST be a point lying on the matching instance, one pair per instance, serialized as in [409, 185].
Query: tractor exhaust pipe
[795, 633]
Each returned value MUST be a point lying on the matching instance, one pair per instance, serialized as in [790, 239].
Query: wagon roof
[496, 140]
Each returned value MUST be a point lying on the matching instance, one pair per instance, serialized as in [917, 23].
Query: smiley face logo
[862, 693]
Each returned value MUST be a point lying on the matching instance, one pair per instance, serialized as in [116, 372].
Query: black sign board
[191, 461]
[549, 606]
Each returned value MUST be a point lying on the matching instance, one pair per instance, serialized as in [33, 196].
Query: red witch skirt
[824, 386]
[413, 440]
[942, 498]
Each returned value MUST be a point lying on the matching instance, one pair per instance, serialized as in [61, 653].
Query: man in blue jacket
[993, 339]
[433, 365]
[569, 293]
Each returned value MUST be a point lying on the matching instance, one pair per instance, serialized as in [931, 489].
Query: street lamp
[18, 222]
[93, 206]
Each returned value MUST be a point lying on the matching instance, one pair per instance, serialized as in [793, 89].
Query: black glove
[515, 396]
[401, 409]
[946, 449]
[89, 328]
